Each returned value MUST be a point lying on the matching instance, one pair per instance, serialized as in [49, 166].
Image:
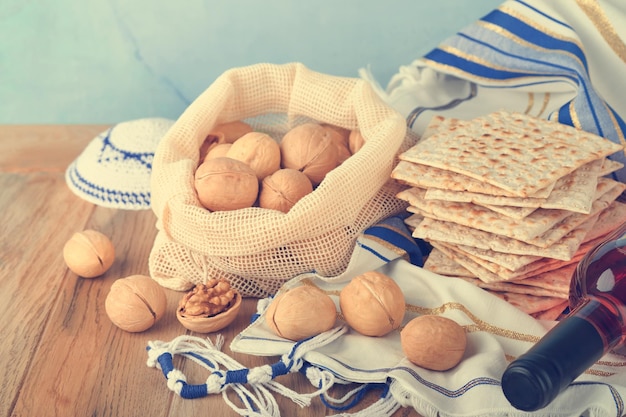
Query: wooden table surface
[59, 354]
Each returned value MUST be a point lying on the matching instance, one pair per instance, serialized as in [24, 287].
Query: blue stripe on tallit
[536, 10]
[564, 115]
[474, 68]
[393, 231]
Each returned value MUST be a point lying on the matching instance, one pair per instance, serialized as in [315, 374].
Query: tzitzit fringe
[252, 386]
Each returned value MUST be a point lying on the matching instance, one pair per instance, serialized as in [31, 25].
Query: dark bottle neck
[533, 380]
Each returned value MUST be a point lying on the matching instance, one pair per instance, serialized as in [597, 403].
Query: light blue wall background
[106, 61]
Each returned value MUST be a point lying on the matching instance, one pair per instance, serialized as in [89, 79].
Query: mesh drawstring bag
[259, 249]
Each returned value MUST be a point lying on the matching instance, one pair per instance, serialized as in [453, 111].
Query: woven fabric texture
[114, 169]
[259, 249]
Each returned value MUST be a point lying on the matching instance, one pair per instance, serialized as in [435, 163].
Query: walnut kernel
[209, 307]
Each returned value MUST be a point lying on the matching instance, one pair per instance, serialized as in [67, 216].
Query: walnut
[257, 150]
[301, 312]
[433, 342]
[135, 303]
[209, 307]
[372, 304]
[89, 253]
[339, 137]
[208, 299]
[355, 141]
[310, 149]
[226, 184]
[283, 189]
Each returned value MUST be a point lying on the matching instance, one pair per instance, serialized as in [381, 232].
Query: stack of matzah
[511, 203]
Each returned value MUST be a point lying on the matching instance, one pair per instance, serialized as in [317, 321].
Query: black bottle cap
[527, 384]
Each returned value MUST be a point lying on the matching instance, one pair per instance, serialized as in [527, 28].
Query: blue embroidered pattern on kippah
[144, 158]
[106, 194]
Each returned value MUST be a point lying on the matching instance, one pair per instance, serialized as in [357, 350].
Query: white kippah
[114, 169]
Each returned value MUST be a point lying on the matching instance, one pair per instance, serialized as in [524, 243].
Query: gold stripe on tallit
[479, 325]
[531, 102]
[610, 363]
[603, 25]
[544, 105]
[620, 134]
[574, 116]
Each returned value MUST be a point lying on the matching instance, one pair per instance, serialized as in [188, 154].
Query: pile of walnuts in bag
[207, 228]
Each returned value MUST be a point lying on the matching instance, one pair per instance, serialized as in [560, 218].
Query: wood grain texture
[59, 353]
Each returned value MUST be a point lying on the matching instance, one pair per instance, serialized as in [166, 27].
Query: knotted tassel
[252, 386]
[386, 406]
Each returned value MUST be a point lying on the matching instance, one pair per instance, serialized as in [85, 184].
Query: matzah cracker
[593, 228]
[441, 264]
[506, 260]
[608, 220]
[609, 166]
[551, 314]
[517, 213]
[607, 191]
[493, 273]
[480, 198]
[519, 288]
[413, 220]
[499, 272]
[439, 122]
[423, 176]
[564, 249]
[573, 192]
[510, 151]
[555, 282]
[489, 272]
[481, 218]
[529, 304]
[476, 269]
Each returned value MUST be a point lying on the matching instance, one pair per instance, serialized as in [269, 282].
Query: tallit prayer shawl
[560, 60]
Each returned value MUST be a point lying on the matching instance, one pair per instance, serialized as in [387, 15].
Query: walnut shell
[301, 312]
[282, 189]
[229, 132]
[355, 141]
[259, 151]
[209, 307]
[309, 148]
[226, 184]
[89, 253]
[433, 342]
[217, 150]
[340, 137]
[372, 304]
[208, 144]
[135, 303]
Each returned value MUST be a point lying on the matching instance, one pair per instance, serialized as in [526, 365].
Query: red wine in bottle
[594, 326]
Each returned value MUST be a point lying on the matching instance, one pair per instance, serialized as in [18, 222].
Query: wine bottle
[594, 326]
